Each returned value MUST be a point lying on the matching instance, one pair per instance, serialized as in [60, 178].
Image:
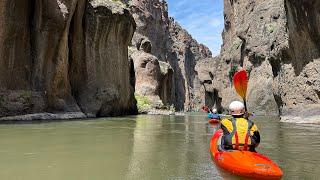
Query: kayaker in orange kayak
[239, 132]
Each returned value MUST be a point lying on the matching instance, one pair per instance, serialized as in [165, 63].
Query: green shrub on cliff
[270, 28]
[143, 103]
[172, 108]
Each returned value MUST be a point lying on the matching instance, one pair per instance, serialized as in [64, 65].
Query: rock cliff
[185, 53]
[65, 56]
[160, 39]
[277, 42]
[152, 21]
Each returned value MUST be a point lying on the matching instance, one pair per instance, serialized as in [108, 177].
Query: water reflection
[171, 148]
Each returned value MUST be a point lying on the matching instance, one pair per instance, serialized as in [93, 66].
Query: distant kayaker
[239, 133]
[213, 114]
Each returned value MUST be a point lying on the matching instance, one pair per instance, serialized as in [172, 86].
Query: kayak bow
[243, 163]
[213, 121]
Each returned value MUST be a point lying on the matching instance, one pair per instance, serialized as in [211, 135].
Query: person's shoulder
[225, 120]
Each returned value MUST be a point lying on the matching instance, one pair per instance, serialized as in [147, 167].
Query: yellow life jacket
[239, 133]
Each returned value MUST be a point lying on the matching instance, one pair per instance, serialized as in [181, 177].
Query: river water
[144, 147]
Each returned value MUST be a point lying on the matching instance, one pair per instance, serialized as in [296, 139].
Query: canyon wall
[65, 56]
[164, 54]
[72, 57]
[185, 53]
[277, 42]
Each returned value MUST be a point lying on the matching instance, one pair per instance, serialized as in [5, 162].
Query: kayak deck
[243, 163]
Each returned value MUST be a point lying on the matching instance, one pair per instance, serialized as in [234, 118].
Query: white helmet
[214, 110]
[236, 108]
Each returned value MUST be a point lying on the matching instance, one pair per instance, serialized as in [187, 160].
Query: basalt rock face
[107, 90]
[212, 79]
[174, 49]
[152, 21]
[65, 56]
[15, 63]
[299, 74]
[277, 42]
[150, 46]
[153, 78]
[185, 52]
[147, 75]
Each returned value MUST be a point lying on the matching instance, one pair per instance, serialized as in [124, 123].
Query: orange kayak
[244, 163]
[213, 121]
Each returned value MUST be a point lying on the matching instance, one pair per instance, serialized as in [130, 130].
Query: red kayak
[213, 121]
[243, 163]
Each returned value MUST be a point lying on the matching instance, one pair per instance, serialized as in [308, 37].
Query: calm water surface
[143, 147]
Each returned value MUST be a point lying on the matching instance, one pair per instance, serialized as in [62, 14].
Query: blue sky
[203, 19]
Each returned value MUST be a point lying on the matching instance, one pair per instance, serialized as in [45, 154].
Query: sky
[203, 19]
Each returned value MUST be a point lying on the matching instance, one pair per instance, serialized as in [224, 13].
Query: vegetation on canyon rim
[143, 103]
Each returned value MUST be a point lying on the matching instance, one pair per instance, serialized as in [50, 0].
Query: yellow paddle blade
[240, 82]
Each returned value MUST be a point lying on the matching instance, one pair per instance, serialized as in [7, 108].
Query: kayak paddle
[240, 82]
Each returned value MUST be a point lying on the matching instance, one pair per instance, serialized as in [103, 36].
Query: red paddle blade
[240, 82]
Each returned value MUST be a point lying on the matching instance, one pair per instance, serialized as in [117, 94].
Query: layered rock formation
[174, 49]
[278, 43]
[152, 21]
[65, 56]
[154, 76]
[185, 52]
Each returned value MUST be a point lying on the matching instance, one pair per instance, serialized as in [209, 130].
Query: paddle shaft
[245, 104]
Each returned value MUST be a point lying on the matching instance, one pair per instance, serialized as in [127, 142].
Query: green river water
[144, 147]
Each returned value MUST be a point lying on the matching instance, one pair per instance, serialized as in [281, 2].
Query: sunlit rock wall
[176, 51]
[277, 42]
